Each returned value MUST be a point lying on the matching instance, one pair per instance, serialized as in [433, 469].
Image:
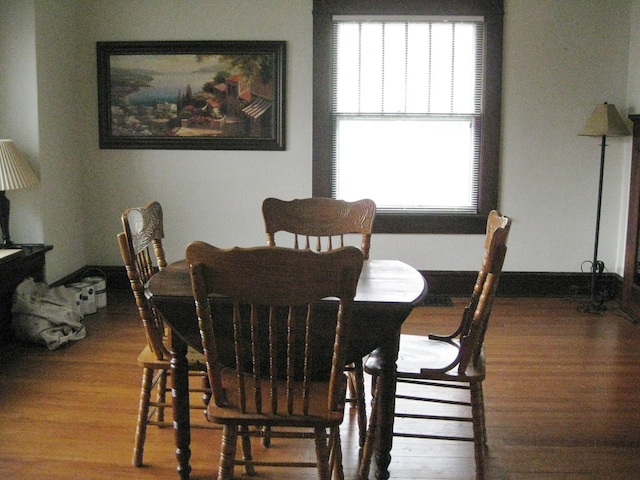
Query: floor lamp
[604, 121]
[15, 173]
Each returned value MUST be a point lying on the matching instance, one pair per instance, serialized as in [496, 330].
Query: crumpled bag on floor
[46, 316]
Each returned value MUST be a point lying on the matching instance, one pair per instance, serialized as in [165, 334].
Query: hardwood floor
[561, 401]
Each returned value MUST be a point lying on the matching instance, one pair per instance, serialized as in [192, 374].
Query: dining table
[387, 292]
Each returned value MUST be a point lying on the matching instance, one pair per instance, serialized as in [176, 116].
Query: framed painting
[199, 95]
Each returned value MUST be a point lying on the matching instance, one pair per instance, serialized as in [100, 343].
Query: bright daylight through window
[406, 112]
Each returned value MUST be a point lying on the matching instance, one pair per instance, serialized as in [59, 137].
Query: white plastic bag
[46, 316]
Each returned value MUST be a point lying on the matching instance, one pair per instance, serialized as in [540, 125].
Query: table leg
[386, 404]
[180, 398]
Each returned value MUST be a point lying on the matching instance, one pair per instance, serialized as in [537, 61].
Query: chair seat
[318, 414]
[148, 359]
[421, 357]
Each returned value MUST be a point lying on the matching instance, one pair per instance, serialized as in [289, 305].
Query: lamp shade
[15, 171]
[605, 120]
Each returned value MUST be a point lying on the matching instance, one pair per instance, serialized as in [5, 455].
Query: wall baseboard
[116, 277]
[512, 284]
[523, 284]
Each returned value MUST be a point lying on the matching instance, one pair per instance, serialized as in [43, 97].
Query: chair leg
[266, 437]
[322, 454]
[206, 397]
[162, 394]
[479, 429]
[352, 390]
[227, 452]
[483, 419]
[246, 450]
[369, 444]
[335, 456]
[143, 413]
[357, 383]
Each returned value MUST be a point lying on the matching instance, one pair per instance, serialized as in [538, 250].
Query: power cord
[596, 302]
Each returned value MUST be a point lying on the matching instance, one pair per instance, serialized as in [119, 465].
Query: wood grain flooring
[562, 401]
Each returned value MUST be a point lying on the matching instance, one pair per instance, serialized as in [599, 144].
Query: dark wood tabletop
[387, 292]
[389, 282]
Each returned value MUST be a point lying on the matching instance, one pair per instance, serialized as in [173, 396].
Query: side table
[17, 262]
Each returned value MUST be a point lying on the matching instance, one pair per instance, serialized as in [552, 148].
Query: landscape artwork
[191, 95]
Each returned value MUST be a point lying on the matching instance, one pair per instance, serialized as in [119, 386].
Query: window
[407, 110]
[407, 91]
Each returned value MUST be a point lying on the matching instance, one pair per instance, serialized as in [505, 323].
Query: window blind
[407, 100]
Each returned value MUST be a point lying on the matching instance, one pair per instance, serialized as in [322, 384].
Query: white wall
[561, 59]
[63, 128]
[208, 195]
[634, 54]
[19, 111]
[41, 109]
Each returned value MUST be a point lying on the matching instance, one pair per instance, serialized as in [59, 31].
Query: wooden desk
[27, 261]
[387, 292]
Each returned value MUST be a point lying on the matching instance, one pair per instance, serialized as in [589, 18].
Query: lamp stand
[597, 267]
[4, 220]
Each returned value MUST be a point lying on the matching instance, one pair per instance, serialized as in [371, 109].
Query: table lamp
[15, 173]
[604, 121]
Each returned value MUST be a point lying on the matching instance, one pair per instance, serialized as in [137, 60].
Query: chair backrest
[472, 340]
[495, 221]
[321, 219]
[143, 232]
[276, 324]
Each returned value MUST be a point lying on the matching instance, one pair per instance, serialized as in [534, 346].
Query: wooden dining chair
[140, 243]
[454, 361]
[276, 363]
[321, 224]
